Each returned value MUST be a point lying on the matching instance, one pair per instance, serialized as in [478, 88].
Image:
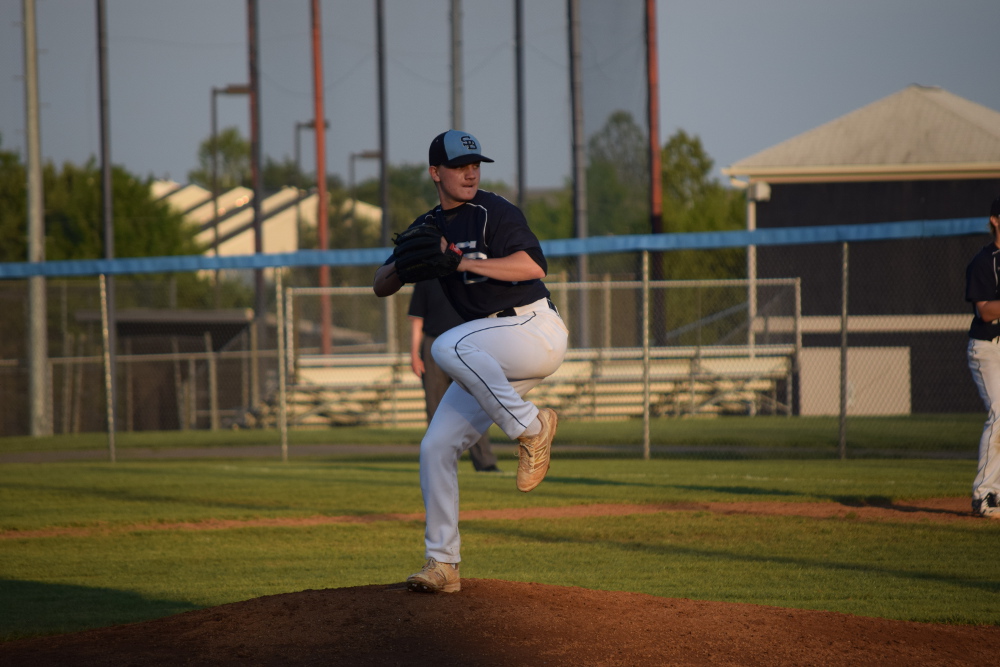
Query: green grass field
[121, 568]
[810, 436]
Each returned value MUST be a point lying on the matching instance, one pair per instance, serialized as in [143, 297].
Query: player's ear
[433, 171]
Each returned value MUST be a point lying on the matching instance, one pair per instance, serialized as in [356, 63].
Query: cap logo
[469, 143]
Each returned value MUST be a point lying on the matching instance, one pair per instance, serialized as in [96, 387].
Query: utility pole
[38, 336]
[322, 224]
[655, 160]
[109, 227]
[519, 96]
[256, 175]
[457, 82]
[579, 161]
[382, 123]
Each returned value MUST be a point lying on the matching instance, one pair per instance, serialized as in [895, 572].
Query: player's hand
[417, 364]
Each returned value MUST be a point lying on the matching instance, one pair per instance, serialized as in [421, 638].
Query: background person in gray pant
[430, 316]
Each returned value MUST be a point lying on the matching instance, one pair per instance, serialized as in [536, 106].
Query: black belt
[510, 312]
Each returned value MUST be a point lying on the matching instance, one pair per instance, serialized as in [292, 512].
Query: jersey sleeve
[980, 281]
[510, 233]
[418, 301]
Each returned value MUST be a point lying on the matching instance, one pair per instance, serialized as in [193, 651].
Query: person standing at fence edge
[430, 316]
[511, 339]
[982, 289]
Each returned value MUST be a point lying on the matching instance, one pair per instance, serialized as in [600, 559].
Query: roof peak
[918, 125]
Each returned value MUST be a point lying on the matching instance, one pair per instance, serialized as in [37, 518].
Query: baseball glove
[419, 257]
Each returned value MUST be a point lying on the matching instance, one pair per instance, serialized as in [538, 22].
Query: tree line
[616, 183]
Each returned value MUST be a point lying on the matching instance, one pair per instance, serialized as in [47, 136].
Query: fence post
[290, 334]
[793, 390]
[842, 447]
[645, 354]
[178, 384]
[245, 370]
[192, 394]
[255, 343]
[606, 319]
[108, 371]
[129, 388]
[282, 399]
[213, 383]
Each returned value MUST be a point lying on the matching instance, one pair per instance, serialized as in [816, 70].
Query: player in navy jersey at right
[511, 339]
[982, 290]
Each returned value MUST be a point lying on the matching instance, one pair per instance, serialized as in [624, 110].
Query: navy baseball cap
[454, 149]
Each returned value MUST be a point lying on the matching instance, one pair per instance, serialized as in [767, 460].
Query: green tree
[232, 152]
[685, 172]
[277, 175]
[550, 213]
[618, 178]
[74, 227]
[693, 201]
[13, 208]
[411, 193]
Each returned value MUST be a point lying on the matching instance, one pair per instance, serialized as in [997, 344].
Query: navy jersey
[488, 226]
[431, 305]
[981, 284]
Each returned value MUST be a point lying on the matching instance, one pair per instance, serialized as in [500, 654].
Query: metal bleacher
[592, 384]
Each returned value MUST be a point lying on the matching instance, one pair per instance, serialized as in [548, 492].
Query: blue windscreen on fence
[555, 248]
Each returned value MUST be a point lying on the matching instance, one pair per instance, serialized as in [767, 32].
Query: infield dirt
[501, 623]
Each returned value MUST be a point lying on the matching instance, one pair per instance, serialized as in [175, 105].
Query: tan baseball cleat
[534, 452]
[435, 577]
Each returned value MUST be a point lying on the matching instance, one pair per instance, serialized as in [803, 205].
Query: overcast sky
[743, 75]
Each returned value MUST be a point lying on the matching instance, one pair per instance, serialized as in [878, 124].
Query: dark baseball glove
[418, 254]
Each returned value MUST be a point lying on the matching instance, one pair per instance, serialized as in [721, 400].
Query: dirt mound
[510, 624]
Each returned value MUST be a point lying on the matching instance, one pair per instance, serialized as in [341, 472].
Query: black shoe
[988, 506]
[492, 468]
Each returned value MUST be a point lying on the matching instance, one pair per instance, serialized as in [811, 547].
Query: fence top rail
[553, 248]
[575, 354]
[584, 285]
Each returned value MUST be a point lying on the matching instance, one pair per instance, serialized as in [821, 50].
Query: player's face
[456, 185]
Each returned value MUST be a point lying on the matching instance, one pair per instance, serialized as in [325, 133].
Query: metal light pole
[111, 337]
[306, 125]
[580, 222]
[38, 337]
[322, 198]
[370, 155]
[655, 160]
[257, 177]
[382, 122]
[232, 89]
[519, 96]
[457, 95]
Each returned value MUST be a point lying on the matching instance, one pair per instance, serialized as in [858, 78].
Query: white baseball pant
[494, 362]
[984, 362]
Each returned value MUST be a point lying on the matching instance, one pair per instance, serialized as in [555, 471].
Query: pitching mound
[507, 624]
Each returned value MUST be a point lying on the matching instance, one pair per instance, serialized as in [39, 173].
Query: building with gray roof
[919, 154]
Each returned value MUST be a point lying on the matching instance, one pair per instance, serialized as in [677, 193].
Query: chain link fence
[707, 361]
[191, 355]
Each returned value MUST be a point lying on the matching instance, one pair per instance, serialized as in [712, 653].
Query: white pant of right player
[494, 362]
[984, 362]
